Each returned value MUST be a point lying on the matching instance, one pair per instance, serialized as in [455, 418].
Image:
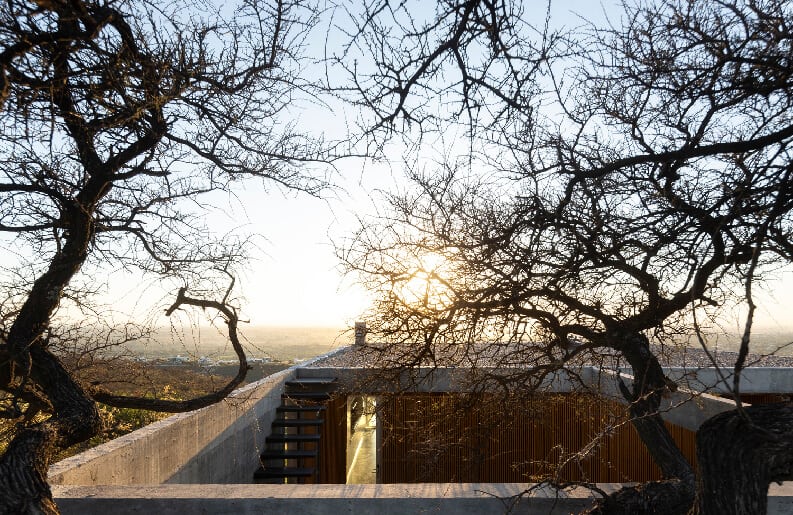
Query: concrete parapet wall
[217, 444]
[754, 380]
[393, 499]
[684, 407]
[435, 379]
[687, 407]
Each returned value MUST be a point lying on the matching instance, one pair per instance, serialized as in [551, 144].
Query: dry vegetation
[128, 377]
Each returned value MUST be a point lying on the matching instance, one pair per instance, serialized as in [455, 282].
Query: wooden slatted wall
[450, 438]
[333, 443]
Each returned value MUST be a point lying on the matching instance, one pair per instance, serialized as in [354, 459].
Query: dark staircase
[291, 453]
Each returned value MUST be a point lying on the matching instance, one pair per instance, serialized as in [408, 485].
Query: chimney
[360, 333]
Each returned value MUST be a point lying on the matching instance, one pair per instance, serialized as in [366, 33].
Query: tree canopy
[117, 117]
[617, 184]
[624, 182]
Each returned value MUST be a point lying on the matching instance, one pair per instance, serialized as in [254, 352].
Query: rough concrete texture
[217, 444]
[183, 448]
[395, 499]
[450, 379]
[753, 380]
[685, 408]
[428, 379]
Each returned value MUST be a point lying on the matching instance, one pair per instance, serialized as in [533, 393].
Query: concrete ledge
[780, 498]
[393, 499]
[684, 407]
[450, 379]
[437, 379]
[755, 380]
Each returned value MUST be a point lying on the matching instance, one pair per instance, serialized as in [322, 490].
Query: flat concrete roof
[376, 355]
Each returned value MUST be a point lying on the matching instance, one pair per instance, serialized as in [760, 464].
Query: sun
[426, 284]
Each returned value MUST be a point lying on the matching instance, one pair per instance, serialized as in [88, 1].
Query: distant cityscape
[207, 362]
[208, 349]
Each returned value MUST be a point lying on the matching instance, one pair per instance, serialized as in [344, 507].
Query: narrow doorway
[361, 439]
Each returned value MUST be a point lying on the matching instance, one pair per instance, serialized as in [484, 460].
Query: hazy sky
[294, 279]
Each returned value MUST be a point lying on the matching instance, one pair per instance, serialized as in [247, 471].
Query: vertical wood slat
[333, 442]
[430, 438]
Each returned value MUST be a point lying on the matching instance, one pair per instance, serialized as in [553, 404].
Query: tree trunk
[649, 385]
[739, 458]
[23, 473]
[668, 497]
[33, 368]
[24, 464]
[675, 494]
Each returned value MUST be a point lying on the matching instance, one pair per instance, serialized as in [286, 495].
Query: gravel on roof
[668, 356]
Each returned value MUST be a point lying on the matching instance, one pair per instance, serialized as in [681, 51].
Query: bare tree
[116, 117]
[648, 179]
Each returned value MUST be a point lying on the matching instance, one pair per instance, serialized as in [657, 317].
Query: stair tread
[288, 454]
[306, 395]
[295, 422]
[275, 472]
[283, 408]
[293, 438]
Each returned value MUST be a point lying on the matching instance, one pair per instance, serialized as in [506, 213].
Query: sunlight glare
[427, 283]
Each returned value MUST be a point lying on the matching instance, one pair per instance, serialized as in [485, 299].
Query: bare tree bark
[75, 418]
[738, 459]
[675, 494]
[649, 385]
[670, 497]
